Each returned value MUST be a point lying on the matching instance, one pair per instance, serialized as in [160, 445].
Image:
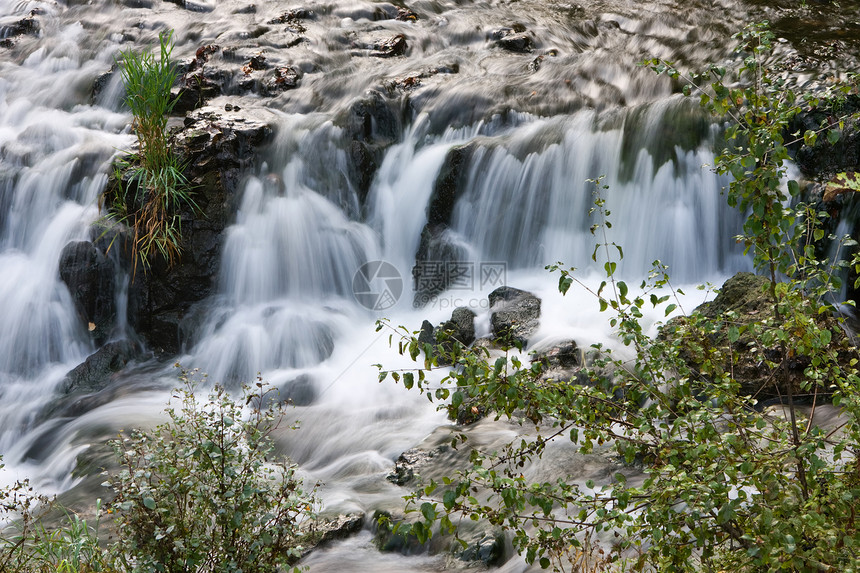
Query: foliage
[27, 545]
[155, 188]
[728, 483]
[200, 494]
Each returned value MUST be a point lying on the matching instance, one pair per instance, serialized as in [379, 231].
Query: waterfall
[469, 155]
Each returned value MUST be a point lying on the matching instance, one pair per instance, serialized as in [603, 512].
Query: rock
[747, 297]
[101, 84]
[825, 159]
[292, 16]
[425, 335]
[449, 184]
[438, 252]
[94, 373]
[336, 528]
[513, 39]
[406, 15]
[436, 263]
[562, 355]
[89, 378]
[282, 79]
[407, 464]
[298, 392]
[521, 43]
[487, 548]
[514, 314]
[371, 124]
[217, 147]
[91, 279]
[462, 325]
[743, 293]
[196, 83]
[394, 46]
[25, 26]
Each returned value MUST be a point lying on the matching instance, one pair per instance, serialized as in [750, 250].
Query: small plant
[200, 494]
[151, 194]
[28, 545]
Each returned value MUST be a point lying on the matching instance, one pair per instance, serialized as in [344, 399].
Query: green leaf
[670, 308]
[610, 267]
[833, 136]
[734, 334]
[428, 510]
[148, 503]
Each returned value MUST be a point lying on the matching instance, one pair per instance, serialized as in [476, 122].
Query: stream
[542, 94]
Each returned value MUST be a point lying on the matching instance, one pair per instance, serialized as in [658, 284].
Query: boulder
[515, 315]
[78, 391]
[91, 279]
[825, 159]
[747, 298]
[513, 39]
[394, 46]
[217, 147]
[407, 464]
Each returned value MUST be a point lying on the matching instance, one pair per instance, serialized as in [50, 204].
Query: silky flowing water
[539, 124]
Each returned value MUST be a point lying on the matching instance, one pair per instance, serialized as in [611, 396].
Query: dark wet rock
[484, 547]
[438, 250]
[394, 46]
[407, 464]
[327, 530]
[461, 325]
[217, 147]
[459, 328]
[257, 62]
[282, 79]
[91, 279]
[562, 355]
[521, 43]
[78, 391]
[513, 39]
[825, 159]
[95, 372]
[425, 335]
[372, 123]
[515, 314]
[565, 362]
[25, 26]
[102, 82]
[406, 15]
[449, 185]
[437, 263]
[745, 299]
[294, 15]
[298, 392]
[196, 82]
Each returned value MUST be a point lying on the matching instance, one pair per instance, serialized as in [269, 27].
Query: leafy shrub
[729, 484]
[155, 188]
[200, 494]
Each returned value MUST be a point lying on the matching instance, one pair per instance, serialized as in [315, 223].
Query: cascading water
[514, 136]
